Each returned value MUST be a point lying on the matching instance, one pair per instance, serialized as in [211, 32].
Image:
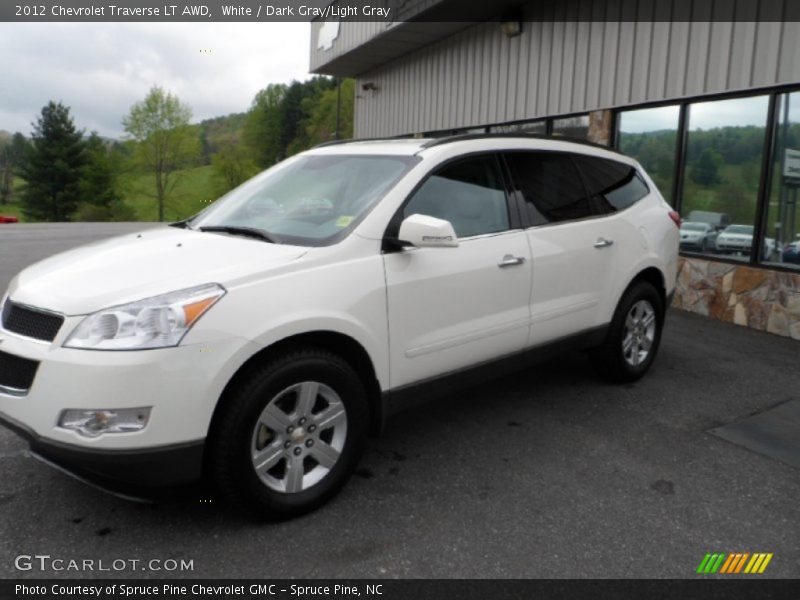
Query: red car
[6, 219]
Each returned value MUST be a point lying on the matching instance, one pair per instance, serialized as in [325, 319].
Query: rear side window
[469, 193]
[615, 185]
[551, 186]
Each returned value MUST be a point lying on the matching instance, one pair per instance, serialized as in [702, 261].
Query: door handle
[509, 260]
[603, 243]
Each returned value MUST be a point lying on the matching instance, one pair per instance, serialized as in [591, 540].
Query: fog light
[94, 422]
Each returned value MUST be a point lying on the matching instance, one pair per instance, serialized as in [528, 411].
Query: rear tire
[634, 335]
[289, 435]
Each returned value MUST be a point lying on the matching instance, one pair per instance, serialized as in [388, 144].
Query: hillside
[220, 131]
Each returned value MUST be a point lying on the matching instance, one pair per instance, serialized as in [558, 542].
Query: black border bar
[391, 11]
[416, 589]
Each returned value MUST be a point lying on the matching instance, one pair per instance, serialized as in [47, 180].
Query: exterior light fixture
[511, 23]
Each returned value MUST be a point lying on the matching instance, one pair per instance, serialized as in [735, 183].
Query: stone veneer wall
[757, 298]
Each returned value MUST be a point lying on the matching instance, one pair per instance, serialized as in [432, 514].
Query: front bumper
[132, 472]
[181, 385]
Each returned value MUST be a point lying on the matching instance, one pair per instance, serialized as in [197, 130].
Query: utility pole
[338, 106]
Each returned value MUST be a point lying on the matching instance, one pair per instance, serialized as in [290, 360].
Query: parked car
[696, 235]
[718, 221]
[258, 348]
[791, 253]
[8, 219]
[738, 239]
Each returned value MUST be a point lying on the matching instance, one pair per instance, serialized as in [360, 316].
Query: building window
[650, 136]
[782, 223]
[725, 147]
[576, 127]
[532, 127]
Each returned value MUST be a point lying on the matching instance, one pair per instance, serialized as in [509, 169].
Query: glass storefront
[534, 127]
[724, 156]
[782, 222]
[651, 135]
[576, 128]
[721, 172]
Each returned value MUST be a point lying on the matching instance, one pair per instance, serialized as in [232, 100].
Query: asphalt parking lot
[547, 473]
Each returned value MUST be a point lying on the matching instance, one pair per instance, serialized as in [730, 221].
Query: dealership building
[705, 94]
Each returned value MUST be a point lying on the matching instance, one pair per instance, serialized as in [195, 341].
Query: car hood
[140, 265]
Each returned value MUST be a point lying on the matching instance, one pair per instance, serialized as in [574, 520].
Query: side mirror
[424, 231]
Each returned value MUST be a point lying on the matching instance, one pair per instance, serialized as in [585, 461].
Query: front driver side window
[468, 193]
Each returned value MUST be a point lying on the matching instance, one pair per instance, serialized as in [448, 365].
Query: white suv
[258, 343]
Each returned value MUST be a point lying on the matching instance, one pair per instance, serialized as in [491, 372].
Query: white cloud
[101, 69]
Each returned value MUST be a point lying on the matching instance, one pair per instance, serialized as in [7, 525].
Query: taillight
[676, 218]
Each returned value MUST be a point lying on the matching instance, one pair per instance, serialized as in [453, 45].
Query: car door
[454, 307]
[572, 252]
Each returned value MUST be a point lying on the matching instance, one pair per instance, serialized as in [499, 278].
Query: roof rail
[483, 136]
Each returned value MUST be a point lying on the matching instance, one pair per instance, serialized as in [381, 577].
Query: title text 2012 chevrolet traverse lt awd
[258, 343]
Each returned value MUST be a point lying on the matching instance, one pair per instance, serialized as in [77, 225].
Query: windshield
[740, 229]
[694, 227]
[308, 200]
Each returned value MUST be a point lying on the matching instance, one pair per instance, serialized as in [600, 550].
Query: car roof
[466, 144]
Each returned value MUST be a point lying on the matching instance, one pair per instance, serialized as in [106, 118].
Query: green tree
[263, 125]
[296, 107]
[102, 200]
[320, 124]
[233, 165]
[11, 156]
[166, 141]
[706, 170]
[53, 166]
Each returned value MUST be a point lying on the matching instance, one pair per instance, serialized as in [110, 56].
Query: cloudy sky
[101, 69]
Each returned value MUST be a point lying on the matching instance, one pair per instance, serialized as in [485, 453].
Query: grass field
[194, 189]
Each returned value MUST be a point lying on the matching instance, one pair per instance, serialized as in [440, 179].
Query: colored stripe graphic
[754, 563]
[739, 566]
[765, 563]
[702, 567]
[734, 563]
[727, 564]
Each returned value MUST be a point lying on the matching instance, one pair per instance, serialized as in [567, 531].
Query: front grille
[16, 373]
[31, 323]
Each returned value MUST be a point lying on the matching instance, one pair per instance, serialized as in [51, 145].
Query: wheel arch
[652, 275]
[655, 277]
[334, 342]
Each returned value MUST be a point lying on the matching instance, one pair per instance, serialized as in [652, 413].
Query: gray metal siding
[479, 76]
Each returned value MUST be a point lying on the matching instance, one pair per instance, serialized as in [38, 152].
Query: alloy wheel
[299, 437]
[639, 333]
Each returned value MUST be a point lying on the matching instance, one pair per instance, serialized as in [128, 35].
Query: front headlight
[157, 322]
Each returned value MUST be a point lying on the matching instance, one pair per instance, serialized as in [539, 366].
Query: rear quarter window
[614, 185]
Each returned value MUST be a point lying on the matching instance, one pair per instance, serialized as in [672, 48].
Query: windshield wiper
[235, 230]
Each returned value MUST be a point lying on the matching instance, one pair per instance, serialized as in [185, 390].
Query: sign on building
[791, 164]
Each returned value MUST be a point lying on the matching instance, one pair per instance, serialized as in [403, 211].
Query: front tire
[290, 434]
[634, 335]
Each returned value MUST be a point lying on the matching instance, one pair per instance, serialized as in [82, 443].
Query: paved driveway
[547, 473]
